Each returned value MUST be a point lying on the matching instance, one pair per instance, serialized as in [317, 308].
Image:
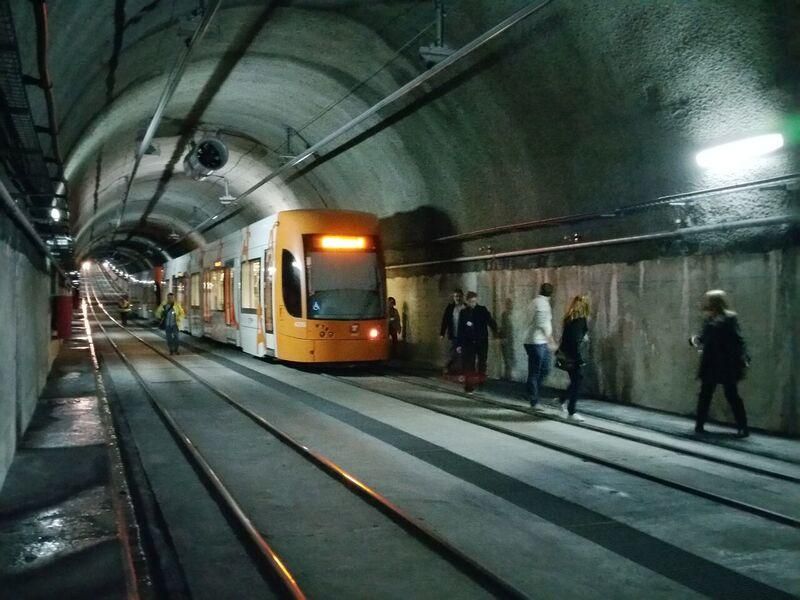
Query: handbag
[564, 362]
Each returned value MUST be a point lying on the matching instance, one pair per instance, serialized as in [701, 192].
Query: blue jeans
[172, 338]
[538, 369]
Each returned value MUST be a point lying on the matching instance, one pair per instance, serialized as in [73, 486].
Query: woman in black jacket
[723, 361]
[576, 330]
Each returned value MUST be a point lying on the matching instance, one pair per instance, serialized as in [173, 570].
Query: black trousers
[731, 395]
[474, 353]
[575, 379]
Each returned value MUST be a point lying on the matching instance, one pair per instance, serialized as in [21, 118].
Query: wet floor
[58, 533]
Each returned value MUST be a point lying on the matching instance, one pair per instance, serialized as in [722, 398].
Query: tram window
[344, 285]
[179, 289]
[216, 290]
[194, 290]
[206, 295]
[292, 291]
[251, 276]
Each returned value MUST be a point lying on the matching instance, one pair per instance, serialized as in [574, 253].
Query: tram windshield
[344, 285]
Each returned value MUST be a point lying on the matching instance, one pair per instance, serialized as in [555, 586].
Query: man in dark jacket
[474, 323]
[449, 330]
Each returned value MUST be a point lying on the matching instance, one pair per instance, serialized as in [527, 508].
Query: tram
[306, 286]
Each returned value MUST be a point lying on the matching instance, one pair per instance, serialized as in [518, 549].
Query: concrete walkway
[58, 530]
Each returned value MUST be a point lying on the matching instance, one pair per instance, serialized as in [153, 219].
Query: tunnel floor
[626, 504]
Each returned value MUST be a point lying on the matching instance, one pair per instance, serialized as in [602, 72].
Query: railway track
[477, 398]
[762, 512]
[276, 567]
[272, 565]
[721, 499]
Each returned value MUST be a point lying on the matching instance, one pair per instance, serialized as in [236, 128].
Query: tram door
[269, 308]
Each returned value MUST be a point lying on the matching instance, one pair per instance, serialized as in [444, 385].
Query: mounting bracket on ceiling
[437, 52]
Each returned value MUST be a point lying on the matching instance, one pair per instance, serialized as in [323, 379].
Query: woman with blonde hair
[568, 357]
[723, 361]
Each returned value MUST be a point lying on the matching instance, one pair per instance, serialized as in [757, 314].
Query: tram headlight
[374, 333]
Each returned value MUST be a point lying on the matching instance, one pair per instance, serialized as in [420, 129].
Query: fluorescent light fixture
[739, 151]
[55, 214]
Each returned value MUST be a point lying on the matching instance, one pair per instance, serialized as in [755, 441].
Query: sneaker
[576, 417]
[743, 433]
[563, 411]
[699, 430]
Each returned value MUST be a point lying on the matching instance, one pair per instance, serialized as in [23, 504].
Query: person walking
[541, 340]
[568, 357]
[395, 326]
[170, 315]
[124, 310]
[472, 343]
[449, 330]
[724, 360]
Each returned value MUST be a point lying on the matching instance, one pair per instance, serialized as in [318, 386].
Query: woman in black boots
[724, 359]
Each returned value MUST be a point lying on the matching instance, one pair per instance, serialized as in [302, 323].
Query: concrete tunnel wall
[25, 314]
[642, 315]
[587, 106]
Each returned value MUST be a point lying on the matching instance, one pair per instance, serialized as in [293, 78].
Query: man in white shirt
[541, 340]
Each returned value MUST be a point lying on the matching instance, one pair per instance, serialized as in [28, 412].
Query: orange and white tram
[304, 286]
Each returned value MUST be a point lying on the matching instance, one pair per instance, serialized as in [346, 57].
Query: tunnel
[501, 144]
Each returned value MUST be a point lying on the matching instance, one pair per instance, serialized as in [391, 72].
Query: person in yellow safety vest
[124, 309]
[170, 316]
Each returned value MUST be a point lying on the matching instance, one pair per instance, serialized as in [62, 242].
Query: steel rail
[139, 582]
[618, 434]
[470, 567]
[277, 568]
[718, 498]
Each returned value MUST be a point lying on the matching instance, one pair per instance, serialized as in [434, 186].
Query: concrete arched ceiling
[585, 106]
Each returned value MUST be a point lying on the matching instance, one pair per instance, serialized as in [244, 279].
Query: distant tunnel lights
[55, 214]
[737, 152]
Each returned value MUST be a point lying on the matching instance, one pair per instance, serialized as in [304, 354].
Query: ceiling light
[55, 214]
[737, 152]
